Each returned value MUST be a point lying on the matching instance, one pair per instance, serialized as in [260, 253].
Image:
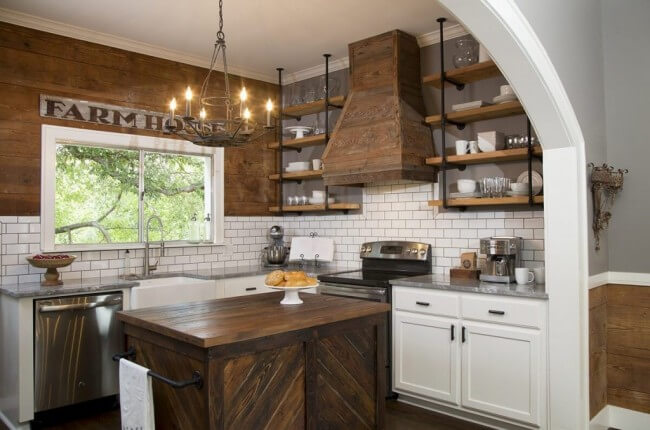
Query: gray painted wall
[577, 24]
[626, 40]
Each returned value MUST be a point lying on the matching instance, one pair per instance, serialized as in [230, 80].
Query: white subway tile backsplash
[395, 210]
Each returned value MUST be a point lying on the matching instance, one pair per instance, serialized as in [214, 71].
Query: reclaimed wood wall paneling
[624, 312]
[34, 62]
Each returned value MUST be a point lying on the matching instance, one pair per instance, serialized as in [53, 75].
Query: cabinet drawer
[426, 301]
[244, 286]
[522, 312]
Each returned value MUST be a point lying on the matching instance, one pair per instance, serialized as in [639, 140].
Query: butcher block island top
[219, 322]
[263, 365]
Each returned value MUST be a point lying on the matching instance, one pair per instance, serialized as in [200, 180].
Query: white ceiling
[261, 34]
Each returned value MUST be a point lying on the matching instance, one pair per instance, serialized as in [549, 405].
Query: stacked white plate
[469, 105]
[297, 166]
[504, 98]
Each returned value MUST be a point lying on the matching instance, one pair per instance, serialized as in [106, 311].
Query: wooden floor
[399, 416]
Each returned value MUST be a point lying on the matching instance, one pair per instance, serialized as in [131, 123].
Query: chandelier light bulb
[247, 114]
[243, 95]
[269, 108]
[172, 105]
[202, 113]
[188, 94]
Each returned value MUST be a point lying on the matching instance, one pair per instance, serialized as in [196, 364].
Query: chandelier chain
[220, 35]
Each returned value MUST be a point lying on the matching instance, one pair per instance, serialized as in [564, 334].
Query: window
[99, 189]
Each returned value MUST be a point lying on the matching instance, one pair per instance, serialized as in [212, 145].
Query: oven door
[375, 294]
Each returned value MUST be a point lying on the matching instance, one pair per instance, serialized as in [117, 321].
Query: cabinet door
[501, 370]
[425, 356]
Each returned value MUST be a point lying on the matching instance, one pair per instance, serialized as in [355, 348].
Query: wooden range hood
[381, 134]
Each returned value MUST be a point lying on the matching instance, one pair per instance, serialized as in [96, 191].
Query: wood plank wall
[34, 62]
[627, 339]
[597, 349]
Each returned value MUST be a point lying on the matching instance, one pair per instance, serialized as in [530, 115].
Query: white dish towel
[136, 397]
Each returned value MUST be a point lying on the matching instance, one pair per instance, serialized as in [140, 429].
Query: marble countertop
[91, 285]
[442, 282]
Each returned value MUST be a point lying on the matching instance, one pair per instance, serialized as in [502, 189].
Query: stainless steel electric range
[381, 262]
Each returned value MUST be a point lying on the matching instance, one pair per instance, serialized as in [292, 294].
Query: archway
[515, 47]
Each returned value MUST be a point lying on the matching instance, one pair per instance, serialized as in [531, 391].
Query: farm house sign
[100, 113]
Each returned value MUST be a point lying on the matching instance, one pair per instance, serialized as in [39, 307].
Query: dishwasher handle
[112, 301]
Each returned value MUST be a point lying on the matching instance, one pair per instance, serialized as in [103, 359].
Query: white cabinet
[426, 355]
[494, 366]
[501, 370]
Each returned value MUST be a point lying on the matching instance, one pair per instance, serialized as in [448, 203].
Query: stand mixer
[275, 255]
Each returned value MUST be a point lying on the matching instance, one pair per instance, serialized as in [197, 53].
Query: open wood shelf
[501, 156]
[297, 176]
[317, 208]
[303, 142]
[501, 110]
[313, 107]
[488, 201]
[465, 75]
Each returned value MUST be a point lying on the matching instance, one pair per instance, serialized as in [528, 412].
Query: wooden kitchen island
[265, 365]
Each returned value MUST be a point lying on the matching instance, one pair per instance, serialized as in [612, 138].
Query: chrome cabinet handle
[80, 306]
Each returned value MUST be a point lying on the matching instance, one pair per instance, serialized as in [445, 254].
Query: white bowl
[519, 187]
[318, 194]
[299, 165]
[466, 185]
[320, 200]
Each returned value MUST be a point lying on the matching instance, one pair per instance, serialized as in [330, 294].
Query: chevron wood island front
[265, 365]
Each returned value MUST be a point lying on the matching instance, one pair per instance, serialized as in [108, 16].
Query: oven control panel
[396, 250]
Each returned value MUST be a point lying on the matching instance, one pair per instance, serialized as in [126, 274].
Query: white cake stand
[291, 296]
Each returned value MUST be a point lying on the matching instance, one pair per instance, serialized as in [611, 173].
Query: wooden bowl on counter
[51, 262]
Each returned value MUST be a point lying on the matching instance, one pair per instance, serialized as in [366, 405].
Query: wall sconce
[605, 183]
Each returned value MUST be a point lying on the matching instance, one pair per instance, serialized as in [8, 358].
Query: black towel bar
[197, 379]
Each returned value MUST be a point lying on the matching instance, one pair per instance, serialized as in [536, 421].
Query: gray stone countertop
[442, 282]
[91, 285]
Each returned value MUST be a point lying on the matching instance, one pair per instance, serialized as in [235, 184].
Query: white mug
[540, 275]
[317, 163]
[524, 276]
[461, 147]
[506, 89]
[473, 147]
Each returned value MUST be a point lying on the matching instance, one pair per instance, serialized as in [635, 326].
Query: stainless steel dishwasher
[74, 340]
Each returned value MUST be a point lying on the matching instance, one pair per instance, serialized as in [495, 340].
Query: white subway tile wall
[395, 210]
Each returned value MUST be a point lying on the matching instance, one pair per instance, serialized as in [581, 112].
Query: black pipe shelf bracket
[282, 115]
[197, 379]
[446, 165]
[281, 151]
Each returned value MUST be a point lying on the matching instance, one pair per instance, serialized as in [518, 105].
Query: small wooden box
[460, 274]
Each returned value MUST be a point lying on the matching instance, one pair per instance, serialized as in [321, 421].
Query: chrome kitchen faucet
[148, 267]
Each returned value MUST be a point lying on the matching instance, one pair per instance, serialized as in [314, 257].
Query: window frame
[51, 135]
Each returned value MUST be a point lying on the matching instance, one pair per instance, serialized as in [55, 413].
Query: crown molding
[431, 38]
[62, 29]
[81, 33]
[319, 70]
[426, 39]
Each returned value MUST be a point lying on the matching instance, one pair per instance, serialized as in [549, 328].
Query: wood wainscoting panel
[628, 347]
[273, 377]
[357, 382]
[173, 364]
[597, 349]
[34, 62]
